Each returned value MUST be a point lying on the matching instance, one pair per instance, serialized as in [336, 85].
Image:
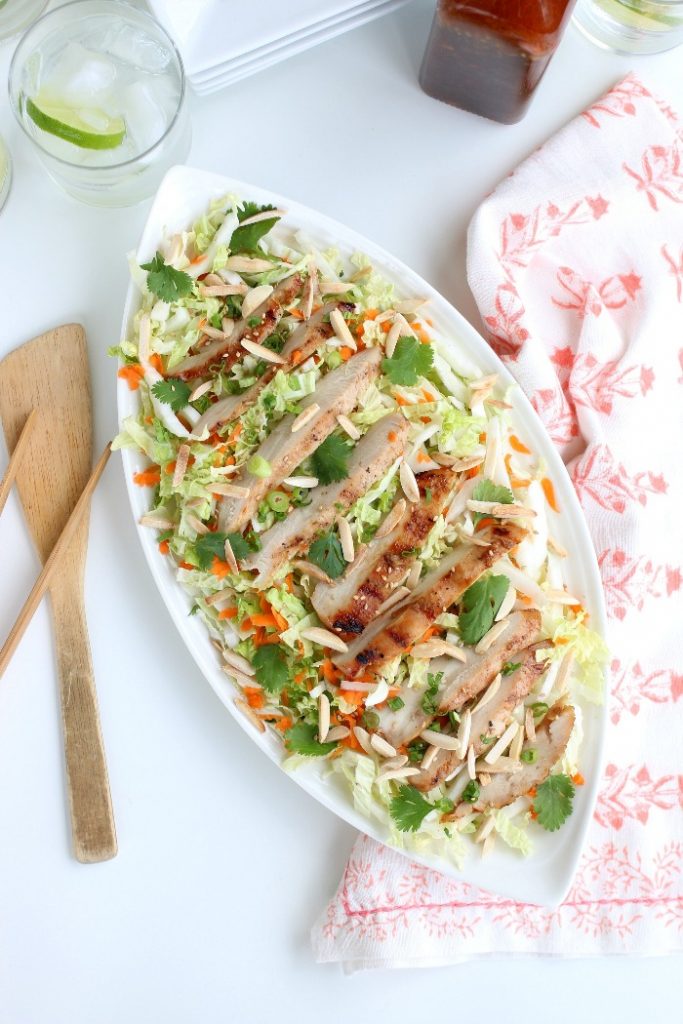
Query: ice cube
[132, 46]
[145, 118]
[81, 78]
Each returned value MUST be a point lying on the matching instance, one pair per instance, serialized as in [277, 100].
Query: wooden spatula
[50, 374]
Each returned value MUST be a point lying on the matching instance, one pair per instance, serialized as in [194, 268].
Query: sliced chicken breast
[351, 602]
[270, 313]
[552, 737]
[337, 393]
[461, 681]
[491, 720]
[303, 343]
[371, 457]
[397, 630]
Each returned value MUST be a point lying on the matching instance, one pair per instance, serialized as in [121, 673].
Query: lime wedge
[66, 124]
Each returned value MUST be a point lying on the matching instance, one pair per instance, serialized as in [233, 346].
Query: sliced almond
[230, 556]
[397, 595]
[409, 482]
[436, 648]
[396, 762]
[220, 290]
[392, 338]
[155, 521]
[248, 265]
[496, 630]
[254, 298]
[317, 635]
[564, 670]
[228, 325]
[397, 773]
[230, 490]
[561, 597]
[341, 330]
[484, 829]
[196, 524]
[220, 595]
[502, 744]
[428, 759]
[329, 287]
[498, 510]
[262, 352]
[237, 661]
[409, 305]
[440, 739]
[310, 290]
[180, 465]
[483, 383]
[213, 332]
[250, 714]
[381, 746]
[414, 575]
[311, 570]
[346, 539]
[237, 677]
[363, 738]
[489, 693]
[392, 519]
[557, 548]
[304, 417]
[200, 390]
[507, 604]
[464, 730]
[471, 770]
[516, 745]
[301, 481]
[323, 717]
[529, 726]
[503, 766]
[262, 215]
[338, 732]
[348, 427]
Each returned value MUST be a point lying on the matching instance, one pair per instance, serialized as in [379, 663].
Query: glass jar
[488, 56]
[5, 172]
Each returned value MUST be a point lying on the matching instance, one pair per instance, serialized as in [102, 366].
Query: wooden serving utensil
[50, 375]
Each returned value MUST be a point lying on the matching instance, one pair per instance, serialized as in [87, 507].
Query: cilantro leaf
[165, 281]
[173, 392]
[509, 667]
[480, 604]
[409, 808]
[470, 793]
[212, 545]
[430, 700]
[410, 360]
[270, 668]
[553, 801]
[302, 738]
[247, 238]
[486, 490]
[326, 553]
[330, 460]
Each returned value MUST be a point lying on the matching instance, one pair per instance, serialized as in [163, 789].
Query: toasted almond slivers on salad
[488, 845]
[396, 596]
[395, 515]
[502, 744]
[561, 597]
[248, 265]
[228, 325]
[507, 604]
[484, 829]
[392, 338]
[414, 575]
[529, 727]
[363, 738]
[396, 762]
[155, 521]
[348, 427]
[230, 490]
[428, 759]
[200, 390]
[181, 462]
[197, 525]
[464, 730]
[301, 481]
[440, 739]
[565, 668]
[337, 732]
[303, 418]
[250, 714]
[220, 595]
[262, 215]
[557, 548]
[397, 773]
[230, 556]
[408, 482]
[409, 305]
[483, 383]
[516, 745]
[219, 290]
[310, 289]
[471, 769]
[494, 508]
[324, 638]
[237, 661]
[496, 630]
[383, 748]
[323, 717]
[378, 694]
[346, 538]
[330, 287]
[237, 677]
[262, 352]
[314, 571]
[213, 332]
[436, 648]
[341, 329]
[254, 298]
[458, 465]
[503, 766]
[355, 684]
[489, 693]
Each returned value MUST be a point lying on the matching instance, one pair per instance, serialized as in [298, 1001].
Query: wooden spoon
[50, 374]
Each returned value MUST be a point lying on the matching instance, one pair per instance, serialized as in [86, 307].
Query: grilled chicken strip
[490, 720]
[552, 737]
[337, 393]
[371, 457]
[461, 681]
[394, 632]
[302, 343]
[270, 313]
[351, 602]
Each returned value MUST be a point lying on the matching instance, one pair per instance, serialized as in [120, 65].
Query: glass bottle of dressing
[488, 56]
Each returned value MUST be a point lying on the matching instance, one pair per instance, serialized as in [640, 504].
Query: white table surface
[223, 863]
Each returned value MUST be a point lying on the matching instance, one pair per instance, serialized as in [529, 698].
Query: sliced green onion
[370, 719]
[529, 756]
[278, 501]
[258, 466]
[539, 709]
[396, 703]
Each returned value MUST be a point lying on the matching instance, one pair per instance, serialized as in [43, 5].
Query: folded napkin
[576, 263]
[180, 17]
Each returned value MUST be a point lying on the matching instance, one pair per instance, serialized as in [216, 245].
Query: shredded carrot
[270, 638]
[148, 477]
[281, 621]
[532, 792]
[400, 400]
[354, 697]
[254, 695]
[163, 547]
[350, 741]
[483, 523]
[299, 677]
[219, 568]
[429, 632]
[169, 468]
[330, 673]
[284, 724]
[298, 314]
[300, 647]
[578, 779]
[370, 314]
[155, 361]
[267, 620]
[386, 326]
[549, 492]
[427, 395]
[186, 565]
[517, 446]
[228, 613]
[132, 374]
[296, 356]
[392, 435]
[473, 472]
[345, 352]
[514, 480]
[422, 457]
[482, 437]
[289, 582]
[235, 432]
[197, 259]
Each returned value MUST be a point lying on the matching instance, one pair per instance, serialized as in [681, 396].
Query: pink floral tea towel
[576, 263]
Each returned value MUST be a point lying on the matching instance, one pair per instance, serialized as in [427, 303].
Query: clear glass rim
[14, 63]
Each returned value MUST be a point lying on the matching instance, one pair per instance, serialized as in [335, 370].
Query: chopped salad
[367, 537]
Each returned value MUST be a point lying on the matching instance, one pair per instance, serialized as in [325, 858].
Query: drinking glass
[631, 26]
[16, 15]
